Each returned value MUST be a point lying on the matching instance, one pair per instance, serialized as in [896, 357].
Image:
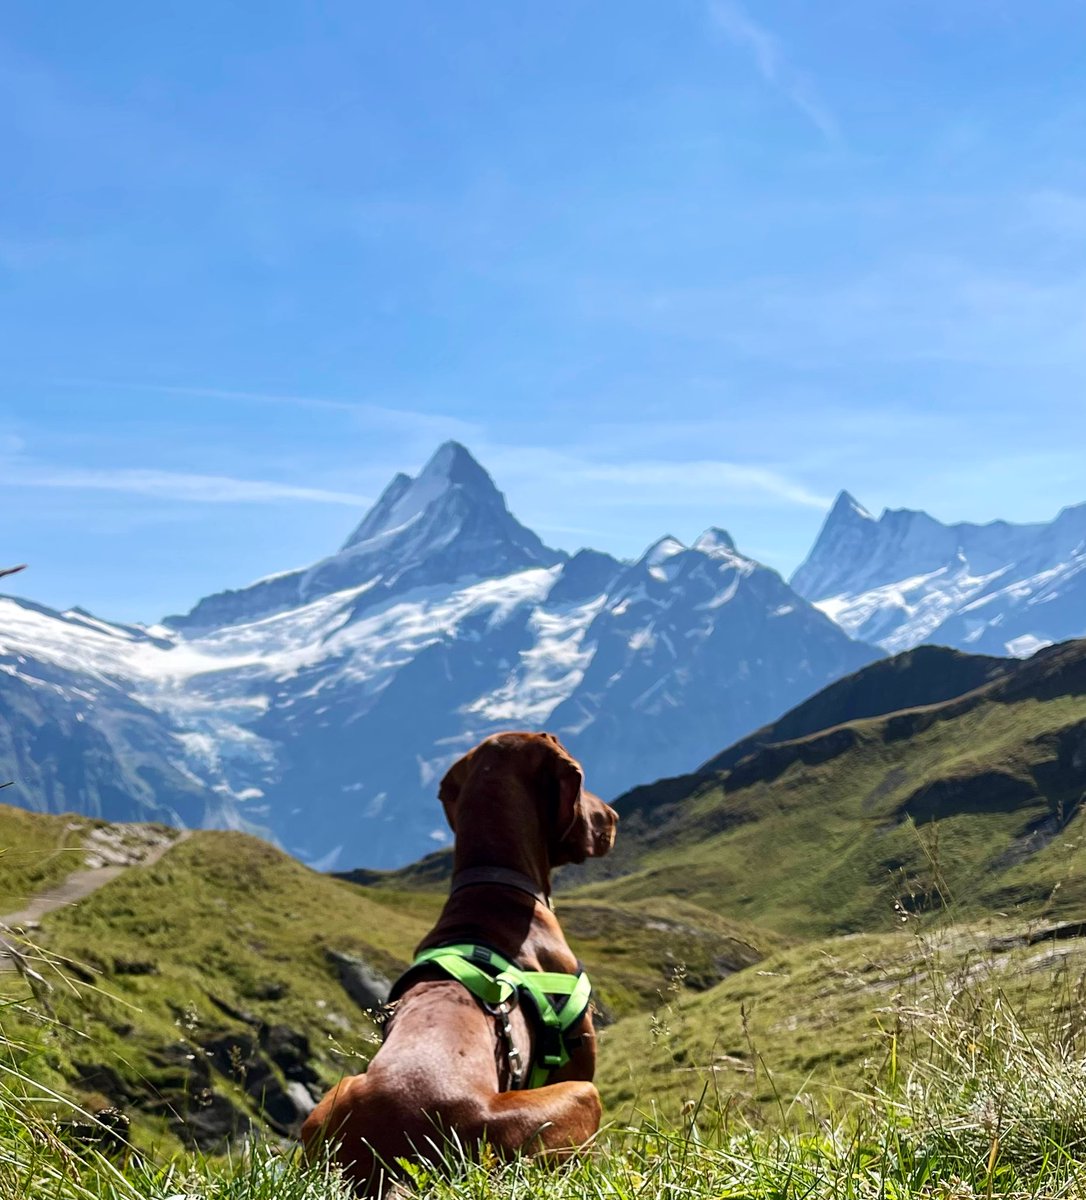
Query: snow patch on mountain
[321, 706]
[905, 578]
[547, 672]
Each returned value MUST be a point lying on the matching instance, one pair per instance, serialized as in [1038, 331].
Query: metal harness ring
[500, 1012]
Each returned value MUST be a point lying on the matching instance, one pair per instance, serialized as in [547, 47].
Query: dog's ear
[573, 828]
[584, 827]
[449, 791]
[572, 838]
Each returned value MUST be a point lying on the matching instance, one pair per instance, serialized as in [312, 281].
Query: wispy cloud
[174, 485]
[705, 477]
[773, 65]
[194, 392]
[408, 421]
[648, 481]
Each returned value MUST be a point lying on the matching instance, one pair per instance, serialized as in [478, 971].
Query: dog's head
[576, 823]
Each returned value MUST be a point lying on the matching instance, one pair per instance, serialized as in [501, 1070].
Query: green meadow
[847, 963]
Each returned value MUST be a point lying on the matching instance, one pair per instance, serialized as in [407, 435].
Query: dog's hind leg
[551, 1121]
[343, 1123]
[368, 1133]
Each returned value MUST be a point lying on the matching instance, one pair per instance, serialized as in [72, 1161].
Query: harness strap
[462, 963]
[552, 1044]
[504, 982]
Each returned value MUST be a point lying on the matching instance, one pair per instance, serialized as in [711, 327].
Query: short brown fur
[516, 801]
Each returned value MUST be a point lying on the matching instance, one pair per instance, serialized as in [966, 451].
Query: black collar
[504, 876]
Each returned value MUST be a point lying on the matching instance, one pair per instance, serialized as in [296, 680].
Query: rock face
[367, 987]
[320, 707]
[905, 578]
[181, 1090]
[267, 1067]
[447, 524]
[243, 1059]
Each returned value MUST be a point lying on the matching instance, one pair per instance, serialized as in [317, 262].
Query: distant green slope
[36, 851]
[823, 1020]
[430, 873]
[924, 676]
[972, 802]
[186, 991]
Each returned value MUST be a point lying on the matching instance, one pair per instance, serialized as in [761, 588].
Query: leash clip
[501, 1012]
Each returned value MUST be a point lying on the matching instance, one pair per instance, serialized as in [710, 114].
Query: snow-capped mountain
[689, 645]
[74, 737]
[905, 578]
[449, 523]
[321, 706]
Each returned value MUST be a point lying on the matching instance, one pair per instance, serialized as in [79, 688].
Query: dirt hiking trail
[109, 851]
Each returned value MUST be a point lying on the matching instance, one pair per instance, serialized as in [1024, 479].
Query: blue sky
[659, 265]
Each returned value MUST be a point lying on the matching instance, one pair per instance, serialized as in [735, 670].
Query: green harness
[498, 984]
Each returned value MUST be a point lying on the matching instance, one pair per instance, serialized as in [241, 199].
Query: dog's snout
[604, 828]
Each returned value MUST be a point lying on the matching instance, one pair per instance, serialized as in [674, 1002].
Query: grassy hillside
[219, 973]
[915, 1067]
[36, 851]
[973, 802]
[188, 991]
[823, 1021]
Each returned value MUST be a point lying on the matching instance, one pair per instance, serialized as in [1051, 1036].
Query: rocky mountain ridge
[320, 706]
[905, 578]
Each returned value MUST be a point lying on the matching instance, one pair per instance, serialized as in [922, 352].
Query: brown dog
[518, 808]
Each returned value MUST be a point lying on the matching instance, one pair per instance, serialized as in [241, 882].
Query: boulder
[209, 1123]
[290, 1052]
[365, 985]
[302, 1100]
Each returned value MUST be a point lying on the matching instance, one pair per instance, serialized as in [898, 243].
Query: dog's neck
[509, 918]
[507, 834]
[499, 877]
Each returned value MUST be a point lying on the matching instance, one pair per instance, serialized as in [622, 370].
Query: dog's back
[518, 807]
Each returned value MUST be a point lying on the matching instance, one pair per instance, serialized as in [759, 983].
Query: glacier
[320, 706]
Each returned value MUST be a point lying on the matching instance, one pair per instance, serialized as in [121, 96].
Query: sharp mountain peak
[846, 506]
[450, 469]
[448, 522]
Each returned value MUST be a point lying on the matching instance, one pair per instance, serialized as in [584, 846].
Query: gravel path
[109, 855]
